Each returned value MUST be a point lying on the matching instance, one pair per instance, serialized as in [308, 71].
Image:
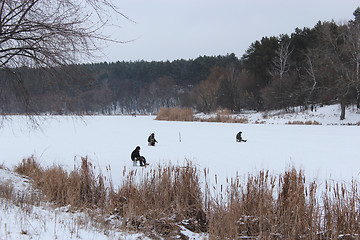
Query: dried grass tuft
[175, 114]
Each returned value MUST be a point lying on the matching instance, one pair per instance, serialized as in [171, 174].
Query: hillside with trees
[318, 65]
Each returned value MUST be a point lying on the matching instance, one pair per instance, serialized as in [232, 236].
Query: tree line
[319, 65]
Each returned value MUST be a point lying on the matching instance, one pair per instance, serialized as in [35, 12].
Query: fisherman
[152, 140]
[135, 156]
[239, 137]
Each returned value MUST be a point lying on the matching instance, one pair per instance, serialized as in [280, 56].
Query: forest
[311, 66]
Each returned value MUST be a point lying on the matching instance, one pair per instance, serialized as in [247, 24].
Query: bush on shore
[175, 114]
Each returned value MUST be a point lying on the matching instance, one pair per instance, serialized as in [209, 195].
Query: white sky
[174, 29]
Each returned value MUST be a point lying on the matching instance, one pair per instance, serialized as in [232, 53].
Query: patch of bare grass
[352, 124]
[260, 122]
[303, 123]
[225, 116]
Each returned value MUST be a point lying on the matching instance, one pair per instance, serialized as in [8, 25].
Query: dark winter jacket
[151, 139]
[135, 154]
[238, 137]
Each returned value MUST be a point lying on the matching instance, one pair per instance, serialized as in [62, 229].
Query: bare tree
[345, 62]
[315, 69]
[45, 34]
[281, 62]
[280, 67]
[310, 70]
[229, 92]
[48, 33]
[206, 95]
[354, 49]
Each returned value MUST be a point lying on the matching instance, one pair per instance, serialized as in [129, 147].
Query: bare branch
[47, 34]
[44, 33]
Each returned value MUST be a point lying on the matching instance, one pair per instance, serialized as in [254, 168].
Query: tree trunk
[342, 115]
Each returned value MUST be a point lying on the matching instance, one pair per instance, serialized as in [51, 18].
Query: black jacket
[151, 138]
[238, 137]
[135, 154]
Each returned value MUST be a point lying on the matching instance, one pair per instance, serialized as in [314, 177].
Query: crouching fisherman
[239, 137]
[152, 140]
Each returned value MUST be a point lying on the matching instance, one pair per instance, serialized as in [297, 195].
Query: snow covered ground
[325, 152]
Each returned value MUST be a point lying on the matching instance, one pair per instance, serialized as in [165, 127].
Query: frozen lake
[322, 151]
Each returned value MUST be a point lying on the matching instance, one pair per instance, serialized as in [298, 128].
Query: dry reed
[175, 114]
[284, 207]
[80, 189]
[163, 200]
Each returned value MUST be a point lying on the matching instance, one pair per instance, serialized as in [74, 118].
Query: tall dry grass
[175, 114]
[163, 200]
[284, 207]
[157, 200]
[341, 211]
[80, 188]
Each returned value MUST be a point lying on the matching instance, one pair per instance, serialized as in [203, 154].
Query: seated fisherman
[135, 156]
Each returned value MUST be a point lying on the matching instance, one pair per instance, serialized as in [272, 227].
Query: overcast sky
[186, 29]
